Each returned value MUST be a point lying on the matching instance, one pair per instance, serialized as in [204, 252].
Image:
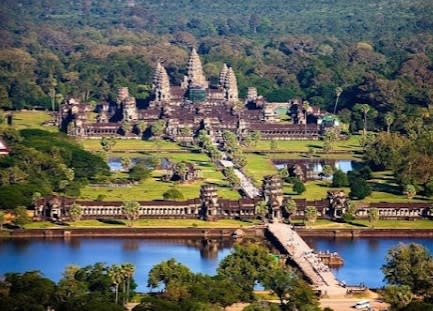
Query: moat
[363, 257]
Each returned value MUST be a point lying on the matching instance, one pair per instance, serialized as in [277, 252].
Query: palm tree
[131, 210]
[75, 212]
[389, 119]
[364, 108]
[306, 106]
[116, 277]
[338, 91]
[128, 270]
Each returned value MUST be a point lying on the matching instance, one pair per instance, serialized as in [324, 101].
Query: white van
[363, 304]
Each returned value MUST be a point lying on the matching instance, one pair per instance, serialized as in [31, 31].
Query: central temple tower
[196, 76]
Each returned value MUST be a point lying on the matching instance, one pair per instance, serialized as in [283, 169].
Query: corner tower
[161, 84]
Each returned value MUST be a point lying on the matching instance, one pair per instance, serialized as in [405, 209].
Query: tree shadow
[314, 146]
[111, 221]
[385, 187]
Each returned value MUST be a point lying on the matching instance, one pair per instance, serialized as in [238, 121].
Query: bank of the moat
[192, 232]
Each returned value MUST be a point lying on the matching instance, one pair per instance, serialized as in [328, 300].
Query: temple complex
[193, 105]
[209, 206]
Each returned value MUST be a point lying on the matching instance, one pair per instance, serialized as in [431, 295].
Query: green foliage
[139, 173]
[359, 187]
[398, 296]
[173, 194]
[157, 128]
[245, 266]
[75, 211]
[373, 216]
[339, 179]
[310, 214]
[28, 291]
[21, 216]
[410, 191]
[167, 272]
[298, 186]
[131, 210]
[410, 265]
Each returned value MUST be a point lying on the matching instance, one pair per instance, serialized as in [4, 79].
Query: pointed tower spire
[156, 75]
[231, 86]
[195, 70]
[161, 84]
[223, 75]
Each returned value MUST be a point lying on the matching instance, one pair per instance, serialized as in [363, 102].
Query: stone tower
[231, 86]
[196, 76]
[209, 201]
[223, 75]
[273, 195]
[128, 103]
[161, 84]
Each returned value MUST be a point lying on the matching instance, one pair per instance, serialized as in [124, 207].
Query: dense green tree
[298, 186]
[167, 272]
[245, 266]
[173, 194]
[339, 179]
[398, 296]
[139, 173]
[359, 188]
[410, 265]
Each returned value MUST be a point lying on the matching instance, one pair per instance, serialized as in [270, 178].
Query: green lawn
[350, 145]
[131, 144]
[381, 224]
[259, 166]
[223, 223]
[32, 119]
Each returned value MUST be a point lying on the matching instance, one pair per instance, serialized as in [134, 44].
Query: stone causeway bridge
[308, 262]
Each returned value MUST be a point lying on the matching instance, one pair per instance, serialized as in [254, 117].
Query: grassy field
[381, 224]
[124, 145]
[259, 166]
[223, 223]
[32, 119]
[350, 145]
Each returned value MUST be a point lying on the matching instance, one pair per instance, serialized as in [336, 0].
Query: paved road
[247, 186]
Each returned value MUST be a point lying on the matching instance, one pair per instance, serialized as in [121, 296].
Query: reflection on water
[51, 256]
[363, 257]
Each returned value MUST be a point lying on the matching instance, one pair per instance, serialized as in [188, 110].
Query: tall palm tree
[305, 106]
[338, 91]
[116, 277]
[389, 119]
[364, 108]
[128, 270]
